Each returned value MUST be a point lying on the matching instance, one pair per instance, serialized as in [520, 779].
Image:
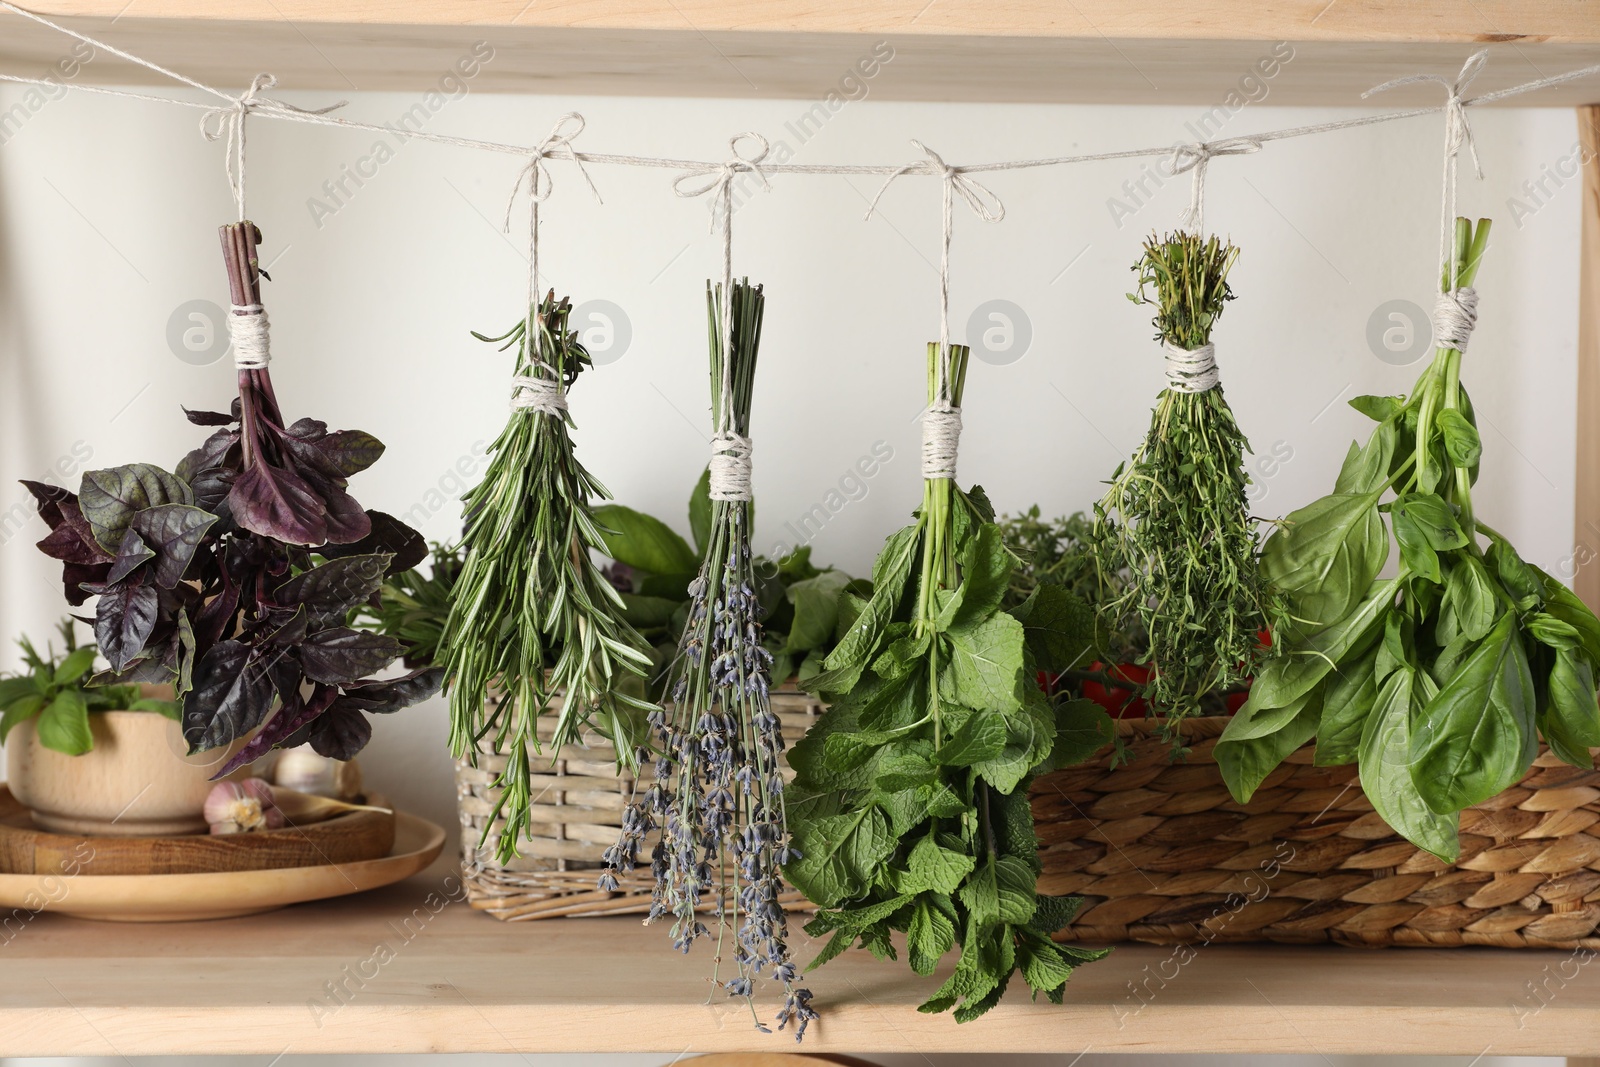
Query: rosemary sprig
[717, 798]
[1176, 522]
[534, 615]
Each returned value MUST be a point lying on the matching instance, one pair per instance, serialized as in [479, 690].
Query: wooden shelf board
[1094, 51]
[448, 979]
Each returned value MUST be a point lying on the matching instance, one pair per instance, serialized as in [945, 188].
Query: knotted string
[1454, 315]
[249, 331]
[730, 451]
[1191, 370]
[532, 392]
[940, 432]
[227, 123]
[1457, 132]
[1197, 157]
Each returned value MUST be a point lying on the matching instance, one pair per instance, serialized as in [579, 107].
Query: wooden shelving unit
[398, 971]
[1087, 51]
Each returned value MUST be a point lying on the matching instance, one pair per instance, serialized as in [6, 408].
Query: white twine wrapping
[730, 466]
[543, 395]
[941, 441]
[1197, 157]
[1454, 316]
[1191, 370]
[249, 329]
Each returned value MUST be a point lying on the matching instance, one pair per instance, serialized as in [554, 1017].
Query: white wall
[108, 211]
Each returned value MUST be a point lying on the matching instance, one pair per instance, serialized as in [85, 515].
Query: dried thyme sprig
[534, 615]
[1176, 520]
[718, 795]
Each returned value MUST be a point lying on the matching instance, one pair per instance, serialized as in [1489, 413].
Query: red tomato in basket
[1119, 703]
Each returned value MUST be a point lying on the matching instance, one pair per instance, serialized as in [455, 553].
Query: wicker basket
[577, 815]
[1165, 855]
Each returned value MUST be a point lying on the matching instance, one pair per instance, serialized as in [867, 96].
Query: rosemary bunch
[533, 614]
[718, 795]
[1176, 524]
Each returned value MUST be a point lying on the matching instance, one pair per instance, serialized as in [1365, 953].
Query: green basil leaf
[1519, 579]
[1292, 674]
[1324, 556]
[1473, 739]
[1433, 518]
[1385, 753]
[1366, 469]
[1245, 764]
[1346, 702]
[700, 514]
[72, 669]
[1551, 631]
[1379, 408]
[64, 724]
[1461, 441]
[1572, 722]
[643, 542]
[1565, 605]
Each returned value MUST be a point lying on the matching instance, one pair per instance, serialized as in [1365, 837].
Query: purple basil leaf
[70, 539]
[308, 429]
[289, 627]
[330, 591]
[342, 655]
[338, 455]
[209, 418]
[341, 733]
[346, 522]
[124, 620]
[175, 531]
[407, 547]
[110, 498]
[232, 695]
[81, 580]
[291, 717]
[392, 694]
[48, 498]
[211, 489]
[131, 555]
[277, 503]
[216, 615]
[218, 449]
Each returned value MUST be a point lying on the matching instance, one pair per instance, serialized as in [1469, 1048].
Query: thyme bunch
[533, 614]
[717, 800]
[1175, 525]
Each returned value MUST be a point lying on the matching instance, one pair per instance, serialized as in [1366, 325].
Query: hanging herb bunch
[1440, 680]
[1175, 527]
[233, 577]
[911, 805]
[533, 615]
[718, 796]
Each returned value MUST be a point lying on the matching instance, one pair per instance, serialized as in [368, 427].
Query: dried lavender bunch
[717, 800]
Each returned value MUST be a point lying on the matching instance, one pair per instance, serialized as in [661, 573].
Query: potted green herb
[96, 759]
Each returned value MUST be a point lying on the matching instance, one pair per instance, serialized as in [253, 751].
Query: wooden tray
[220, 895]
[348, 837]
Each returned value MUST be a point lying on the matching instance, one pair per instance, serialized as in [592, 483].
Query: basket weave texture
[577, 814]
[1164, 854]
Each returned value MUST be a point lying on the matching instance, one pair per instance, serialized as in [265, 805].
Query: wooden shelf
[1089, 51]
[458, 981]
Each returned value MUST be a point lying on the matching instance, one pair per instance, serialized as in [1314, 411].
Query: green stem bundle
[1175, 527]
[533, 615]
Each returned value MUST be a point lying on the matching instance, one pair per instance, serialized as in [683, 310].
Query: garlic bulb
[243, 806]
[304, 771]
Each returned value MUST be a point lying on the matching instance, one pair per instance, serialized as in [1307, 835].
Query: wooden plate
[347, 837]
[182, 897]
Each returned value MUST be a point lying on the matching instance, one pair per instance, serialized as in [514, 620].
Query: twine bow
[537, 176]
[226, 122]
[1197, 157]
[720, 177]
[1457, 132]
[980, 198]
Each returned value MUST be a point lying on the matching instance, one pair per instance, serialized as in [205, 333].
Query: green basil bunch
[1440, 680]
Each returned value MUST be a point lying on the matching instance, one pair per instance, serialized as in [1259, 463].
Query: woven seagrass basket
[1164, 854]
[577, 814]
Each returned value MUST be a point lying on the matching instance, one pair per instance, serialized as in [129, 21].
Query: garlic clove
[242, 807]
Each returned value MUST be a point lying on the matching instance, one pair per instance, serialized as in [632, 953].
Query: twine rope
[537, 177]
[1197, 158]
[227, 123]
[941, 441]
[321, 117]
[730, 466]
[1454, 315]
[1191, 370]
[250, 331]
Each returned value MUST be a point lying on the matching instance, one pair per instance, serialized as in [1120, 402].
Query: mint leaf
[985, 665]
[840, 855]
[928, 937]
[933, 868]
